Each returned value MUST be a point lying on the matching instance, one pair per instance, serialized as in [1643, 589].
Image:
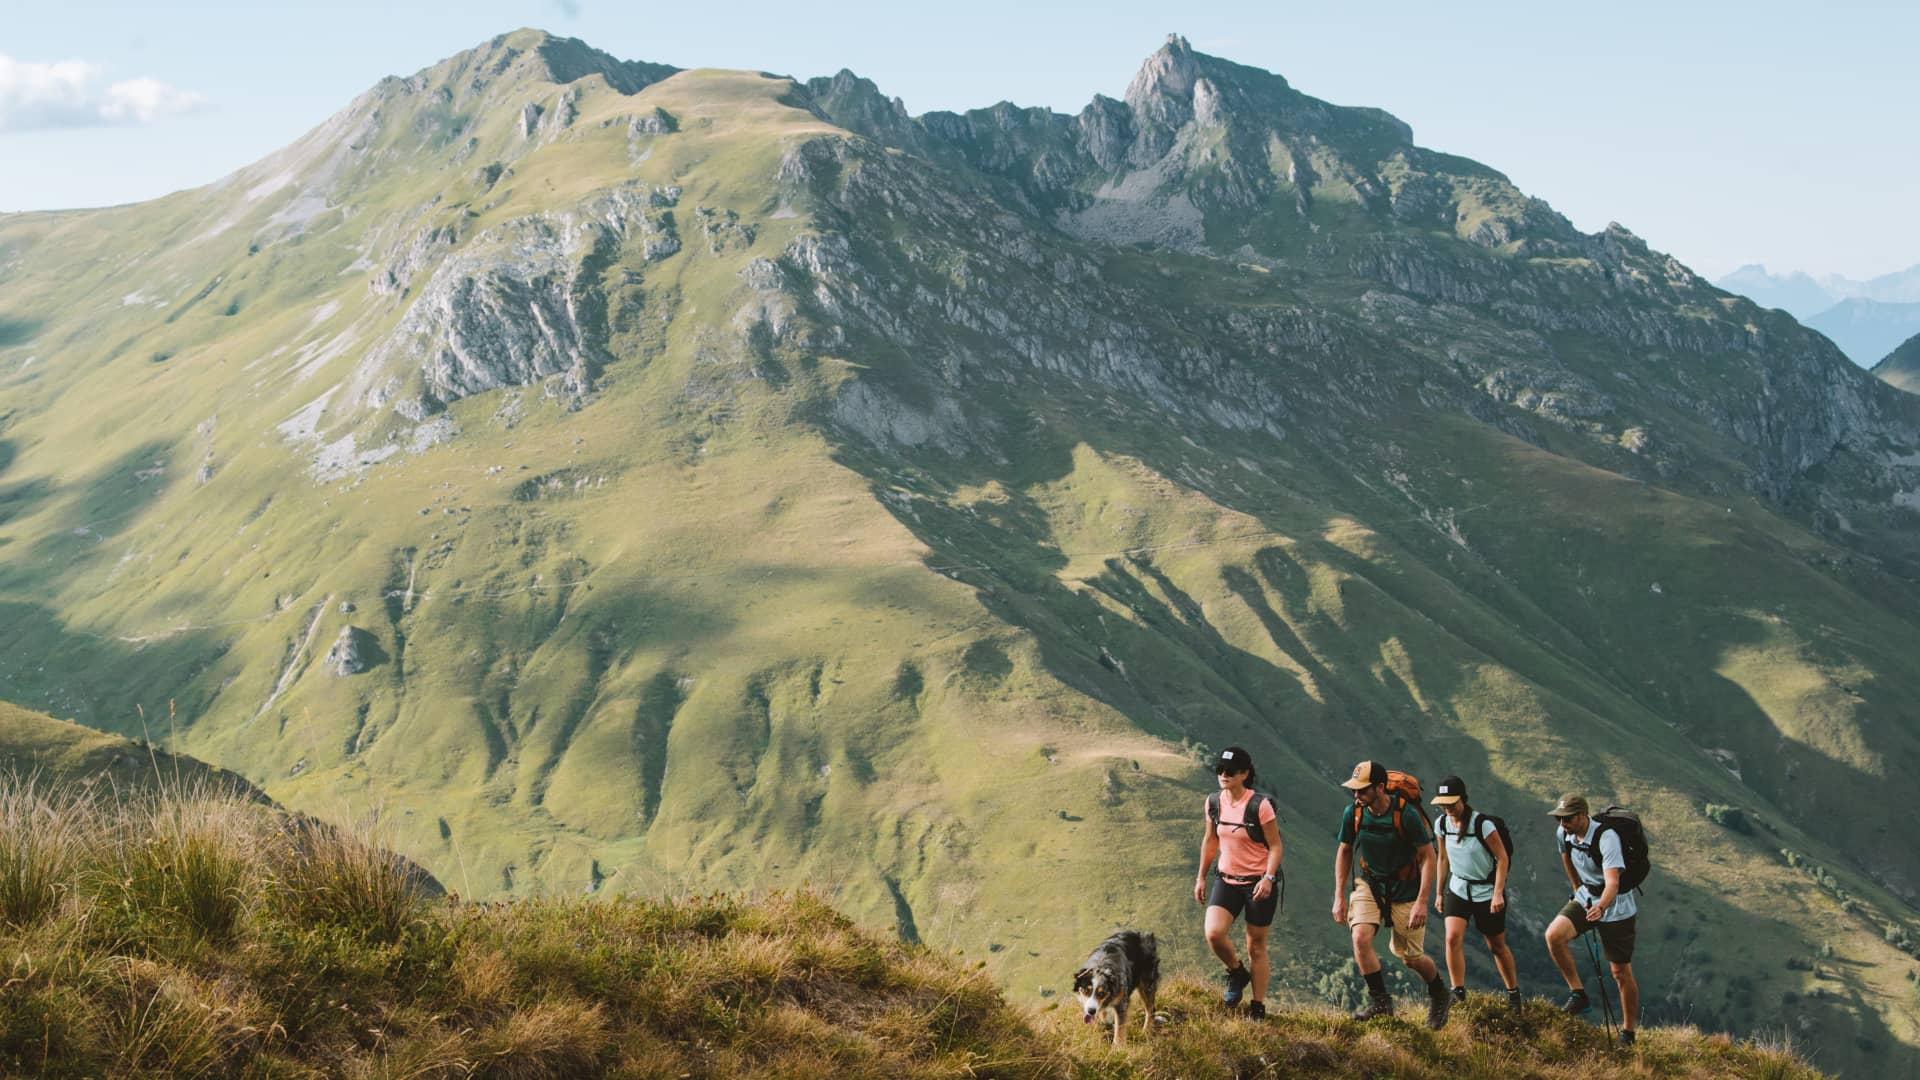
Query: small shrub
[1729, 817]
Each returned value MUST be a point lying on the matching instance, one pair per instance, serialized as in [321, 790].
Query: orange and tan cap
[1365, 775]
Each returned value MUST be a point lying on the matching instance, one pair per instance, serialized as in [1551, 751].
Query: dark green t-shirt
[1380, 849]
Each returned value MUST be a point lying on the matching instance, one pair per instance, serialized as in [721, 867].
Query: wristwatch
[1268, 877]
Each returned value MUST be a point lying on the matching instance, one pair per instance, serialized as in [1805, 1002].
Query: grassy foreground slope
[806, 494]
[187, 933]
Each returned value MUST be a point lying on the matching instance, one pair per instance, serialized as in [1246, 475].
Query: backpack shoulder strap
[1479, 826]
[1213, 808]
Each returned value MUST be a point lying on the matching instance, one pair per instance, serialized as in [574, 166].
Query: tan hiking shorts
[1362, 910]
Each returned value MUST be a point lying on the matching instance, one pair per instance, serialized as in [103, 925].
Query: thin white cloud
[75, 93]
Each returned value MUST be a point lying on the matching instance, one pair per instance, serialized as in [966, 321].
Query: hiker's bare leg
[1363, 955]
[1503, 960]
[1629, 995]
[1560, 937]
[1219, 921]
[1424, 967]
[1456, 950]
[1257, 961]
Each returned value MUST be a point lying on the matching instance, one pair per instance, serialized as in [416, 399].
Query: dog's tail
[1151, 952]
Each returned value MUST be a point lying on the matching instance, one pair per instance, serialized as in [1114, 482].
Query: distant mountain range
[1865, 318]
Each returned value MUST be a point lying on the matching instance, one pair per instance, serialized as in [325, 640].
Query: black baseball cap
[1450, 791]
[1233, 759]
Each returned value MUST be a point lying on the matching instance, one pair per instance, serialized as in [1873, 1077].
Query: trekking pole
[1600, 981]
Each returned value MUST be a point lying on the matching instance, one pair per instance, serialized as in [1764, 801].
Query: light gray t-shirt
[1468, 859]
[1591, 870]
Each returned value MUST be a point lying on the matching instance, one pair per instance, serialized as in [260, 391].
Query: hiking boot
[1258, 1011]
[1626, 1037]
[1377, 1007]
[1459, 995]
[1513, 999]
[1238, 980]
[1576, 1002]
[1439, 1004]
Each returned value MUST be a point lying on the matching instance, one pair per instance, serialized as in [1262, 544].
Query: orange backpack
[1404, 790]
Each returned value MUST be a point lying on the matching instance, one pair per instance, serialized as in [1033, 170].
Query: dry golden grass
[196, 934]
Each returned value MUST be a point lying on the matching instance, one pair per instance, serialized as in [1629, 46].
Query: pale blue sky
[1723, 132]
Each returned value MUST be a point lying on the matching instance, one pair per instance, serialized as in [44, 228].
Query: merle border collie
[1127, 961]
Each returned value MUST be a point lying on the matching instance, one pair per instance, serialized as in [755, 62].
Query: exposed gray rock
[657, 122]
[350, 651]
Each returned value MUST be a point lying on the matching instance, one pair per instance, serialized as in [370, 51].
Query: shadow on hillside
[98, 681]
[96, 509]
[1172, 670]
[18, 331]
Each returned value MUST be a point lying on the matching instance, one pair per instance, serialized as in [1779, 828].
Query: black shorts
[1616, 938]
[1485, 920]
[1234, 898]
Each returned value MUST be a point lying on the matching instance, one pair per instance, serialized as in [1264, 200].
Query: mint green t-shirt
[1468, 858]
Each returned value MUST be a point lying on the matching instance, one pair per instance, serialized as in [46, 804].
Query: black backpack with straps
[1625, 824]
[1479, 832]
[1251, 814]
[1250, 821]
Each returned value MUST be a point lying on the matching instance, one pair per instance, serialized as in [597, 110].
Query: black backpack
[1633, 844]
[1252, 813]
[1480, 833]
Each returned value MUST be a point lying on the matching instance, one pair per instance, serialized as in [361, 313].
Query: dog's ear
[1083, 979]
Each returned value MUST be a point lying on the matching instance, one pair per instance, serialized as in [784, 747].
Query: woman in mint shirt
[1473, 863]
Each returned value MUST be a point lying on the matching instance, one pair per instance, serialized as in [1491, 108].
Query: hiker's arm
[1417, 917]
[1209, 850]
[1607, 894]
[1501, 860]
[1443, 875]
[1566, 863]
[1271, 830]
[1342, 870]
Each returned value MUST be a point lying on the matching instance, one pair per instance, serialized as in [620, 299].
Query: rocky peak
[858, 105]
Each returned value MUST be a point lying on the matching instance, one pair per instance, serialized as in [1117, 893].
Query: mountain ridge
[712, 494]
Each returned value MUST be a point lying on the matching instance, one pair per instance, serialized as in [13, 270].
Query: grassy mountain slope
[188, 936]
[635, 480]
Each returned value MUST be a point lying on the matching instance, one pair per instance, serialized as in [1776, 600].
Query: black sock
[1377, 984]
[1434, 987]
[1238, 966]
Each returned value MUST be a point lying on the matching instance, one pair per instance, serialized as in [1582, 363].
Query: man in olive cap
[1593, 858]
[1386, 850]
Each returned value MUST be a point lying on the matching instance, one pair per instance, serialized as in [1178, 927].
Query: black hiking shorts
[1616, 938]
[1479, 912]
[1236, 898]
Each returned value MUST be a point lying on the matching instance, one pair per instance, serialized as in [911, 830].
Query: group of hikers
[1392, 862]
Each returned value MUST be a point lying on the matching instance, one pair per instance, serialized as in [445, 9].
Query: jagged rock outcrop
[351, 652]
